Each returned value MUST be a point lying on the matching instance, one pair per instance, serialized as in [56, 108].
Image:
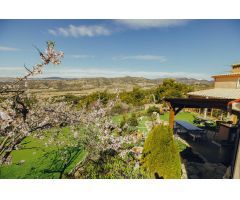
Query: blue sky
[113, 48]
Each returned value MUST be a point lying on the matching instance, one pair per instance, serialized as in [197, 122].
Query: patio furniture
[226, 133]
[194, 131]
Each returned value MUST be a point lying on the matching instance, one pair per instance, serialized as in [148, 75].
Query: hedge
[161, 157]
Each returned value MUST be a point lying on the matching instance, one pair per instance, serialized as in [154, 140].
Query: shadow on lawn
[54, 164]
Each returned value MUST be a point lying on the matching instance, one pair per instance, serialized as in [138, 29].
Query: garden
[99, 135]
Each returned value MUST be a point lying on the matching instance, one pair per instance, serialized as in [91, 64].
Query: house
[226, 86]
[224, 96]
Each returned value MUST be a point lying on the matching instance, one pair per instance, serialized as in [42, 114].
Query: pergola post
[171, 117]
[234, 119]
[205, 113]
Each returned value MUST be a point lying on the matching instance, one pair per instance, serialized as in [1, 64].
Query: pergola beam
[177, 104]
[198, 103]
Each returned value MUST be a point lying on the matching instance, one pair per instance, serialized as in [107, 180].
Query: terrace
[212, 146]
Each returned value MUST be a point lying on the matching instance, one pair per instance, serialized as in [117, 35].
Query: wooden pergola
[177, 104]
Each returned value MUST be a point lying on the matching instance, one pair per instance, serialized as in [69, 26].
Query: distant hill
[191, 81]
[131, 79]
[7, 79]
[53, 78]
[101, 83]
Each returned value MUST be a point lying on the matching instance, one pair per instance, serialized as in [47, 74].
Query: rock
[137, 150]
[77, 174]
[21, 162]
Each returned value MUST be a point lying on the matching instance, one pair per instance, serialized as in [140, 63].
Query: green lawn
[141, 123]
[185, 116]
[41, 161]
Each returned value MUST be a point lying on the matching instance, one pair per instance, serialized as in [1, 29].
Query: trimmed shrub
[161, 157]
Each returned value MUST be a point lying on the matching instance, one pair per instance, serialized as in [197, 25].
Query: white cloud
[142, 57]
[91, 72]
[4, 48]
[11, 71]
[81, 56]
[100, 30]
[52, 32]
[81, 31]
[151, 23]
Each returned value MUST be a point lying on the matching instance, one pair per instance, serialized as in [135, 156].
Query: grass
[42, 161]
[141, 123]
[186, 116]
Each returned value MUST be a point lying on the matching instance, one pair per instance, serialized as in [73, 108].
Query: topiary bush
[161, 157]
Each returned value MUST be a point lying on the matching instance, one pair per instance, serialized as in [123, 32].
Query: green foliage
[88, 100]
[129, 124]
[180, 145]
[152, 109]
[123, 121]
[71, 99]
[132, 121]
[2, 99]
[52, 161]
[111, 166]
[117, 109]
[128, 145]
[120, 108]
[160, 154]
[135, 97]
[171, 89]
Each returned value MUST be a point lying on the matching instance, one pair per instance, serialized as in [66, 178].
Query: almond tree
[17, 120]
[20, 117]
